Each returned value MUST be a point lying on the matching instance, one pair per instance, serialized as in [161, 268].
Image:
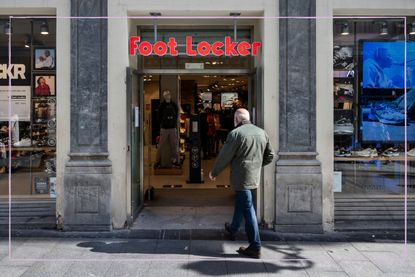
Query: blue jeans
[244, 208]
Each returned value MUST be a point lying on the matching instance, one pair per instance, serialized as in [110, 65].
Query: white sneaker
[391, 152]
[23, 143]
[343, 126]
[368, 152]
[411, 152]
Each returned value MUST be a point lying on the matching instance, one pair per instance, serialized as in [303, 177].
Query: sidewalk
[138, 257]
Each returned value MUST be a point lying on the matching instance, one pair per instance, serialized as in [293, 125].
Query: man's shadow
[290, 260]
[146, 247]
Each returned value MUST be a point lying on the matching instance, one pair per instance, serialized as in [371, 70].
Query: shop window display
[369, 109]
[33, 103]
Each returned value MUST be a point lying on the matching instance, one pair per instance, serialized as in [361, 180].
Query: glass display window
[33, 108]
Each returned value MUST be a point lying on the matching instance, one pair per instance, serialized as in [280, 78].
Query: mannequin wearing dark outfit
[167, 115]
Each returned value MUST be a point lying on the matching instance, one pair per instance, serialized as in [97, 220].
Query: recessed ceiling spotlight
[345, 29]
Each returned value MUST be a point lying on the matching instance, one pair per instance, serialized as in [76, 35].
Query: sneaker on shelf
[342, 153]
[391, 152]
[26, 142]
[411, 152]
[368, 152]
[343, 126]
[389, 114]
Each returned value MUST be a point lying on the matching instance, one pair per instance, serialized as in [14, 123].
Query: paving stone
[173, 249]
[118, 249]
[66, 249]
[290, 268]
[48, 269]
[326, 274]
[278, 251]
[306, 246]
[360, 268]
[378, 247]
[202, 249]
[88, 269]
[128, 269]
[245, 267]
[343, 252]
[12, 271]
[390, 262]
[319, 261]
[4, 246]
[399, 275]
[167, 269]
[206, 268]
[27, 253]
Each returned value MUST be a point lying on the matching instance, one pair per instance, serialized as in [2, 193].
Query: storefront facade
[93, 183]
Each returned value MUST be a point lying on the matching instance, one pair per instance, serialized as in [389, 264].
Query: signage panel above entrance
[202, 48]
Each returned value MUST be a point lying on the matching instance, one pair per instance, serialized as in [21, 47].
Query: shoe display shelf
[378, 158]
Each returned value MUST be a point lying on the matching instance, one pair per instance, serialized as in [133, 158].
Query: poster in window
[44, 110]
[44, 85]
[20, 103]
[45, 59]
[41, 185]
[343, 58]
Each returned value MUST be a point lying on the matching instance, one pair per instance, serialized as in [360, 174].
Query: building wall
[324, 109]
[374, 7]
[265, 30]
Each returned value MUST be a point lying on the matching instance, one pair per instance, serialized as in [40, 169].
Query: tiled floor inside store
[160, 181]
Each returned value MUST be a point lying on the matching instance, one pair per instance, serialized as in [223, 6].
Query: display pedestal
[168, 171]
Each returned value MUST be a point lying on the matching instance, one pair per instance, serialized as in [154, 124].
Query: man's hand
[211, 177]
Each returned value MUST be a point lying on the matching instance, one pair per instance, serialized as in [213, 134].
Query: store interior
[211, 99]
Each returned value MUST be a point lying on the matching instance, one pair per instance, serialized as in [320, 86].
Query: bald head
[241, 115]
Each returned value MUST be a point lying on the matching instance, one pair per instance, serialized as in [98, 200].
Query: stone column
[87, 181]
[298, 174]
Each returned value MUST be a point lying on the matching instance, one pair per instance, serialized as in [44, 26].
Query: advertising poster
[20, 103]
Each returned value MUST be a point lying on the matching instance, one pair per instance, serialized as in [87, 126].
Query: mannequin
[167, 152]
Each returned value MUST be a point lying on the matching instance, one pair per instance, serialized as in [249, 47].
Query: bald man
[247, 150]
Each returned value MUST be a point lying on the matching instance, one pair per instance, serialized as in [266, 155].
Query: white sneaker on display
[23, 143]
[411, 152]
[343, 126]
[368, 152]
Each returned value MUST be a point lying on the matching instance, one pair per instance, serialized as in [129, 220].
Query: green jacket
[247, 149]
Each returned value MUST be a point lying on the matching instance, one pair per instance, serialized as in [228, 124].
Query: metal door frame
[134, 210]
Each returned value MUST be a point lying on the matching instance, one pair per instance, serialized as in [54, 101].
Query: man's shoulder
[248, 129]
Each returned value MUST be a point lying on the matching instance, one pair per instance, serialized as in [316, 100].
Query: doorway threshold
[181, 222]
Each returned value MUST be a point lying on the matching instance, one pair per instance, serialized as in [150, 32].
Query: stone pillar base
[298, 193]
[87, 193]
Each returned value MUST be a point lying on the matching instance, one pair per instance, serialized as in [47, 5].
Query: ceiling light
[412, 29]
[384, 29]
[27, 42]
[8, 29]
[345, 29]
[44, 28]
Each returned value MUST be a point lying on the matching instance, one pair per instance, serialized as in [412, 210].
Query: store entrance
[206, 100]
